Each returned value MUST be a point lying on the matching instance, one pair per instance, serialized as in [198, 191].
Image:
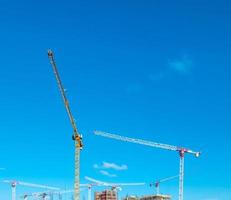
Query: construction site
[53, 192]
[115, 100]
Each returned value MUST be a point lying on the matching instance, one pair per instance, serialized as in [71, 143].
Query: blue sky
[157, 70]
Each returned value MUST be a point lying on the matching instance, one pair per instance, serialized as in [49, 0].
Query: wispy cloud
[2, 168]
[107, 165]
[114, 166]
[182, 65]
[106, 173]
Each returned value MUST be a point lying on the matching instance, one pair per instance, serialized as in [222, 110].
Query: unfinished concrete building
[156, 197]
[106, 195]
[131, 197]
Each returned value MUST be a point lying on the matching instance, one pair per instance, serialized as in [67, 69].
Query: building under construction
[131, 197]
[149, 197]
[156, 197]
[106, 195]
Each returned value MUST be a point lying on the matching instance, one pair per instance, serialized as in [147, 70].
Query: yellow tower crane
[76, 136]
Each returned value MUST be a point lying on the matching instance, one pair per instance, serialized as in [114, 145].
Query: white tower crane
[114, 186]
[46, 194]
[70, 191]
[50, 194]
[14, 183]
[89, 188]
[157, 183]
[180, 150]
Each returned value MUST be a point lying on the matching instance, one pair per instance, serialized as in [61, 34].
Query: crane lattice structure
[114, 186]
[157, 183]
[89, 188]
[49, 193]
[14, 184]
[76, 136]
[181, 151]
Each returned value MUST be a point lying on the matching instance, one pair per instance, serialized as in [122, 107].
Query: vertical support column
[89, 192]
[76, 184]
[25, 197]
[13, 187]
[44, 197]
[157, 188]
[181, 177]
[60, 196]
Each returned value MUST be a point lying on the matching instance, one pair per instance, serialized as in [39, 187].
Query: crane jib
[76, 136]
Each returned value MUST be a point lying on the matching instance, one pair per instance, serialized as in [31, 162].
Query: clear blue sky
[157, 70]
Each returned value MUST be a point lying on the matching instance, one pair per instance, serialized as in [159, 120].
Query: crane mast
[13, 188]
[180, 150]
[76, 136]
[181, 177]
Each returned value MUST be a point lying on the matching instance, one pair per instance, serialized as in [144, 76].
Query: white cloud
[107, 165]
[181, 66]
[106, 173]
[114, 166]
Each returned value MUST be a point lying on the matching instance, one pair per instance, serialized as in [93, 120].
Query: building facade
[156, 197]
[106, 195]
[131, 197]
